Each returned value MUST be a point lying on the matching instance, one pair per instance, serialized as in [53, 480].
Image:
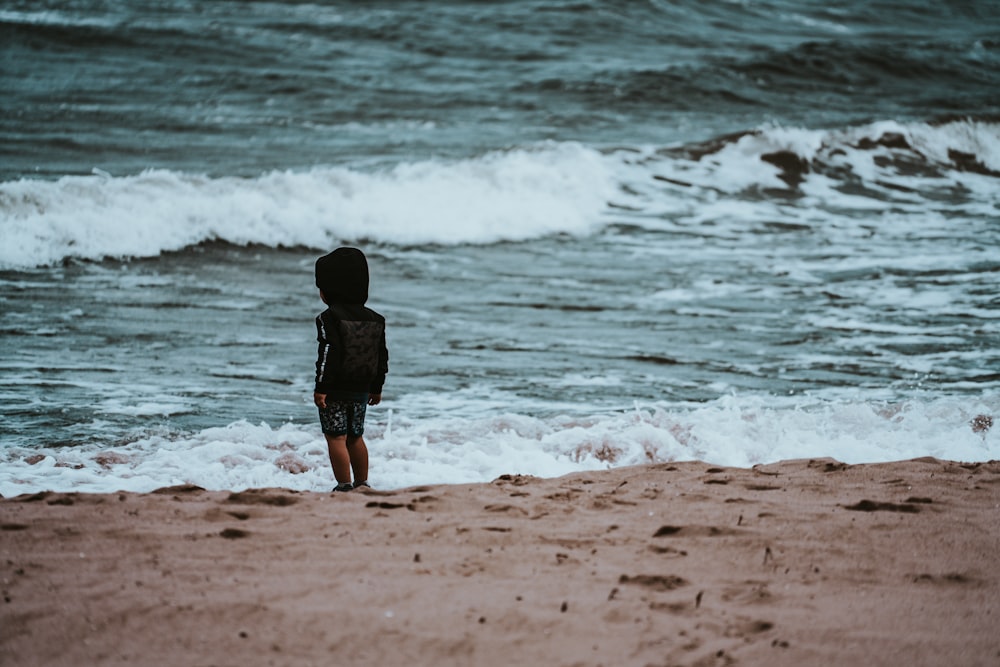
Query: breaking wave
[731, 431]
[768, 174]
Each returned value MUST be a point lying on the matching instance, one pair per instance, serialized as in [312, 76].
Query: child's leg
[340, 459]
[358, 453]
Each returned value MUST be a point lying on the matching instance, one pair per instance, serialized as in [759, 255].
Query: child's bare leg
[358, 453]
[340, 459]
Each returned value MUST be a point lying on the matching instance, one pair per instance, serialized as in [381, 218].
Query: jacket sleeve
[325, 355]
[383, 366]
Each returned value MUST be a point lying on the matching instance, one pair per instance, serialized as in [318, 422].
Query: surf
[408, 448]
[771, 173]
[502, 196]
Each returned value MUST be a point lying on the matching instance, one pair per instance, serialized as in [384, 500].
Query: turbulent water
[602, 233]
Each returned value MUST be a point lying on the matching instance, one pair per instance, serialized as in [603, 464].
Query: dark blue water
[247, 87]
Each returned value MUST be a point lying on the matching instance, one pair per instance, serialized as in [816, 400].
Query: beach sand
[808, 562]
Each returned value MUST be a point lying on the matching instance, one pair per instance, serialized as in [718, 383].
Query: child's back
[351, 363]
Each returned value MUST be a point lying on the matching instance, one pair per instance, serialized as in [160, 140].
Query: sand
[808, 562]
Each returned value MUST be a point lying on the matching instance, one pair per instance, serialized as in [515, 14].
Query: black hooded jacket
[353, 359]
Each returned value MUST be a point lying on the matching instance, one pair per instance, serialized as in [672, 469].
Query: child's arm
[323, 355]
[375, 390]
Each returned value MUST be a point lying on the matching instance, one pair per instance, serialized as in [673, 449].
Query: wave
[731, 431]
[771, 175]
[504, 196]
[45, 18]
[776, 171]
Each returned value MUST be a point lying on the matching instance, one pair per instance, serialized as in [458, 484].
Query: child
[352, 362]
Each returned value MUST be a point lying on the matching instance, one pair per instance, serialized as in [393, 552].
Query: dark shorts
[343, 417]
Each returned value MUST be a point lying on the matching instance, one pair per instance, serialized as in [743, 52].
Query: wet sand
[808, 562]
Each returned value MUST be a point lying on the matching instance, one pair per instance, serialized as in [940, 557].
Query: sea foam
[405, 451]
[769, 175]
[504, 196]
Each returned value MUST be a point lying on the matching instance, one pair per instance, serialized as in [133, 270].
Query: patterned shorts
[343, 418]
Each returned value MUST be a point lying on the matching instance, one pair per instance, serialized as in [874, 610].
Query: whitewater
[407, 452]
[514, 195]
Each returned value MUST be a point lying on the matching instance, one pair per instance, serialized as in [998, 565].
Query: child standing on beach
[352, 362]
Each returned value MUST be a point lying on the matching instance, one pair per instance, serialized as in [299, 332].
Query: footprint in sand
[506, 509]
[747, 628]
[656, 582]
[873, 506]
[694, 531]
[667, 551]
[234, 533]
[672, 607]
[952, 578]
[385, 505]
[261, 497]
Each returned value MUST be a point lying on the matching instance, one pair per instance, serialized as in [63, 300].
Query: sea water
[602, 234]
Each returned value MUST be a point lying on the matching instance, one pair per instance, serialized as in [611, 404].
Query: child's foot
[345, 486]
[358, 485]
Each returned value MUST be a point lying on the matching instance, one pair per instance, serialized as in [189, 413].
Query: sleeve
[383, 366]
[324, 355]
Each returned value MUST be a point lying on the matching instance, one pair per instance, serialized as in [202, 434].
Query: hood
[343, 276]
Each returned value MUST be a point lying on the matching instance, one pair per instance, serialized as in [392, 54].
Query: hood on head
[343, 276]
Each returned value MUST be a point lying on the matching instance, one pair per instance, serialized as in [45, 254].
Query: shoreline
[807, 561]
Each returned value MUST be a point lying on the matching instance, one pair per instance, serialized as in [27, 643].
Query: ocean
[602, 233]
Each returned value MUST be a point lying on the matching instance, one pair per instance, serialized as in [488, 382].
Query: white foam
[54, 18]
[733, 431]
[515, 195]
[711, 186]
[519, 195]
[143, 409]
